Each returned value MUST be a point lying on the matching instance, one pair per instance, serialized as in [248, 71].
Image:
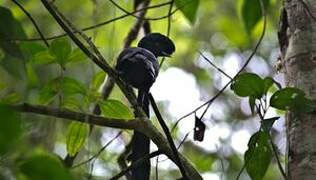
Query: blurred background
[185, 82]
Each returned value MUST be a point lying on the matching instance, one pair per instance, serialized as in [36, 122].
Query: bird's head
[158, 44]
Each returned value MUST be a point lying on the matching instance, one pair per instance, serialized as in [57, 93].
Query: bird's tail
[141, 143]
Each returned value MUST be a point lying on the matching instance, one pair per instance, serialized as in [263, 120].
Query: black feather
[139, 67]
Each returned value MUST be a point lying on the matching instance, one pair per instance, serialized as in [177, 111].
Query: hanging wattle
[139, 67]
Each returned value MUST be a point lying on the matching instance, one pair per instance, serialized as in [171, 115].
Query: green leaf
[72, 102]
[97, 80]
[267, 124]
[267, 83]
[43, 57]
[31, 75]
[61, 50]
[10, 28]
[13, 58]
[189, 8]
[29, 49]
[115, 109]
[66, 85]
[44, 166]
[48, 92]
[251, 13]
[14, 66]
[76, 136]
[248, 84]
[201, 159]
[10, 128]
[72, 86]
[258, 156]
[11, 98]
[76, 56]
[291, 99]
[2, 54]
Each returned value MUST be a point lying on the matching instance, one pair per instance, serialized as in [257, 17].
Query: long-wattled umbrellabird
[139, 67]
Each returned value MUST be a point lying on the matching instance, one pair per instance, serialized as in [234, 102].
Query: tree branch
[146, 128]
[168, 135]
[99, 152]
[136, 164]
[33, 21]
[144, 18]
[96, 25]
[78, 116]
[141, 125]
[132, 35]
[210, 101]
[97, 58]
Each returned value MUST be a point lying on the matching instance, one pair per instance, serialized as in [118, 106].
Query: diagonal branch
[96, 58]
[210, 101]
[146, 128]
[214, 66]
[32, 20]
[168, 135]
[136, 164]
[99, 152]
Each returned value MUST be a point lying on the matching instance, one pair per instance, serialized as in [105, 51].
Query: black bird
[139, 67]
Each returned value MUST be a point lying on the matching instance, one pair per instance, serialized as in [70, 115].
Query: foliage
[61, 76]
[251, 12]
[13, 60]
[115, 109]
[189, 8]
[258, 156]
[10, 129]
[291, 99]
[44, 166]
[76, 137]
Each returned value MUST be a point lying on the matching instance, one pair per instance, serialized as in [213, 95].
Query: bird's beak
[165, 54]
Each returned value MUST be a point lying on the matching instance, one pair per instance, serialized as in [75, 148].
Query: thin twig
[180, 144]
[145, 127]
[210, 101]
[102, 64]
[121, 160]
[144, 18]
[168, 28]
[168, 135]
[96, 57]
[275, 152]
[156, 168]
[132, 35]
[99, 152]
[94, 26]
[214, 66]
[84, 36]
[137, 163]
[241, 170]
[33, 21]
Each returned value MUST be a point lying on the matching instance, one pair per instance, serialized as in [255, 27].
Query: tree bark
[297, 38]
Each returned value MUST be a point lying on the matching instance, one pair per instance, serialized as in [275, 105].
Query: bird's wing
[137, 67]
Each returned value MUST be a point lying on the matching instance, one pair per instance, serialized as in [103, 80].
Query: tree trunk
[297, 38]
